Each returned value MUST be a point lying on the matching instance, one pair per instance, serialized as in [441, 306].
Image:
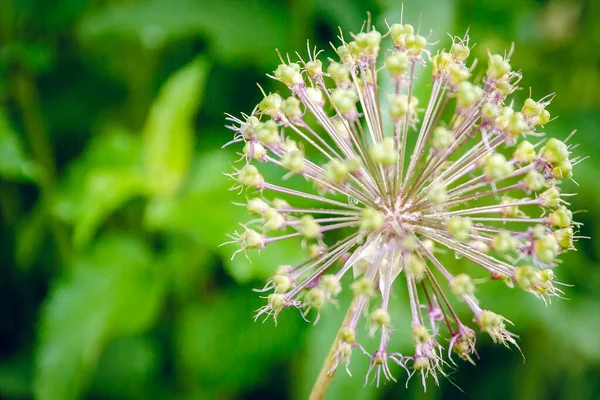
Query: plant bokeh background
[113, 202]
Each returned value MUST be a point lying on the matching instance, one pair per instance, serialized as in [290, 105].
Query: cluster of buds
[483, 184]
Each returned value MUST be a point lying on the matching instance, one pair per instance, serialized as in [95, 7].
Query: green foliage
[113, 201]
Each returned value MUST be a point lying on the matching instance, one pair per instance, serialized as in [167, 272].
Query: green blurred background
[112, 201]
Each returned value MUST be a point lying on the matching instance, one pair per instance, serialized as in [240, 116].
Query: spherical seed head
[453, 176]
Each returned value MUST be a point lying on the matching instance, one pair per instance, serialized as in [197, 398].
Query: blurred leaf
[113, 290]
[136, 359]
[30, 235]
[14, 163]
[169, 130]
[232, 34]
[104, 178]
[204, 210]
[224, 350]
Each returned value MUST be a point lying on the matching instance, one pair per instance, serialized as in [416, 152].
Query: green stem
[325, 377]
[33, 122]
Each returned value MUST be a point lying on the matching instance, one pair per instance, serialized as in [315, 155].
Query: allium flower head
[465, 170]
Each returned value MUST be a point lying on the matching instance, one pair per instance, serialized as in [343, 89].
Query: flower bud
[399, 33]
[546, 248]
[368, 43]
[291, 108]
[563, 169]
[336, 172]
[554, 152]
[543, 119]
[398, 63]
[524, 153]
[347, 335]
[250, 177]
[316, 297]
[561, 217]
[461, 285]
[315, 95]
[526, 276]
[400, 106]
[268, 132]
[345, 100]
[415, 44]
[489, 111]
[420, 334]
[517, 125]
[550, 198]
[564, 237]
[460, 52]
[340, 73]
[380, 318]
[251, 239]
[458, 74]
[331, 284]
[497, 167]
[257, 206]
[270, 104]
[371, 219]
[314, 68]
[308, 228]
[460, 228]
[504, 243]
[256, 150]
[362, 287]
[273, 220]
[441, 63]
[442, 138]
[437, 194]
[384, 152]
[467, 94]
[282, 282]
[353, 164]
[497, 67]
[414, 267]
[534, 181]
[532, 108]
[288, 74]
[315, 250]
[294, 161]
[277, 301]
